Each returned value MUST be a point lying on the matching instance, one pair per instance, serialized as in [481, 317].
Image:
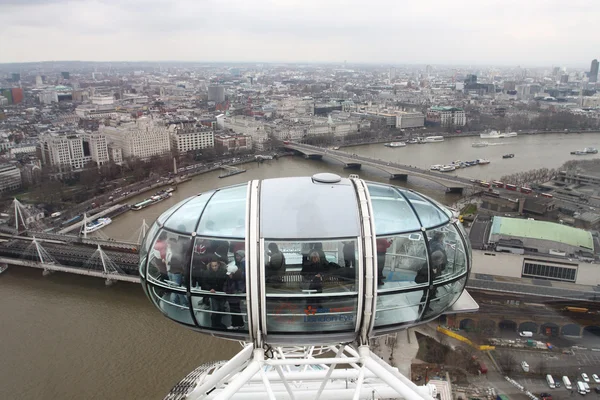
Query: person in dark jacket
[312, 272]
[236, 284]
[382, 247]
[276, 266]
[214, 279]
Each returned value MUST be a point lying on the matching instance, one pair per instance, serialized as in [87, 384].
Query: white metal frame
[299, 373]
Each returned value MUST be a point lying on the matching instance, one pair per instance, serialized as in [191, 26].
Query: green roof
[542, 230]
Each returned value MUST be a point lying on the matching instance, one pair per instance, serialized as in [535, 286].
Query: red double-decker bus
[510, 187]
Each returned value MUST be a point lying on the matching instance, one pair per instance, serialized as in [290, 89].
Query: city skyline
[459, 33]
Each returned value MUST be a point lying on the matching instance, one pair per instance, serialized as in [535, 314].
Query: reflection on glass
[186, 218]
[311, 267]
[392, 212]
[401, 261]
[148, 240]
[164, 301]
[221, 312]
[219, 272]
[225, 214]
[444, 296]
[429, 214]
[399, 308]
[311, 314]
[161, 219]
[448, 258]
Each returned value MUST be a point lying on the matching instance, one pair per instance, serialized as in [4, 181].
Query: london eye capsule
[306, 260]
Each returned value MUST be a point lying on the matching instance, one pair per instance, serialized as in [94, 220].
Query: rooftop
[542, 230]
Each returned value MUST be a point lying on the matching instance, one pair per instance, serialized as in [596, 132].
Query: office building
[97, 146]
[48, 97]
[17, 95]
[446, 116]
[65, 151]
[190, 136]
[593, 76]
[216, 94]
[409, 120]
[10, 177]
[142, 139]
[229, 142]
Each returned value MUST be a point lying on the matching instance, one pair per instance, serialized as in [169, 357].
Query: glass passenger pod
[194, 262]
[311, 260]
[421, 259]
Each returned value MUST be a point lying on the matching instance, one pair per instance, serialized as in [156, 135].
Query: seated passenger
[275, 269]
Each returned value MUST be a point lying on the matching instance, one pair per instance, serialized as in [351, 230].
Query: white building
[63, 151]
[410, 120]
[143, 138]
[447, 116]
[189, 136]
[248, 126]
[48, 97]
[10, 177]
[102, 100]
[97, 147]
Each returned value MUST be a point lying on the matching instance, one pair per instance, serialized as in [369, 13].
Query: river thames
[70, 337]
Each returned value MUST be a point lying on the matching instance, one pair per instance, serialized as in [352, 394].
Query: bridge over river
[452, 183]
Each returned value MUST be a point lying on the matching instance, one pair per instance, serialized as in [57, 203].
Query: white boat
[395, 144]
[590, 150]
[497, 135]
[447, 168]
[482, 161]
[433, 139]
[97, 224]
[435, 167]
[412, 141]
[480, 144]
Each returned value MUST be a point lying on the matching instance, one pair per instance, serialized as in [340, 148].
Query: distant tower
[392, 73]
[594, 71]
[38, 81]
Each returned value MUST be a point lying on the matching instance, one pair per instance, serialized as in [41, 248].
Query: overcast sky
[499, 32]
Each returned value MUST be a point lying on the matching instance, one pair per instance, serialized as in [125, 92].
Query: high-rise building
[564, 78]
[64, 151]
[17, 95]
[16, 77]
[392, 73]
[216, 94]
[38, 80]
[470, 79]
[65, 75]
[594, 71]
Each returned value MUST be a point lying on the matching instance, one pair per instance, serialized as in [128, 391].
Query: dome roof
[286, 258]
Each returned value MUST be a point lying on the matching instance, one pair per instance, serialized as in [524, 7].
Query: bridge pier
[313, 156]
[458, 190]
[399, 177]
[353, 166]
[109, 282]
[47, 272]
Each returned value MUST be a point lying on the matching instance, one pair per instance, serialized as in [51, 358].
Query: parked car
[585, 377]
[595, 378]
[525, 366]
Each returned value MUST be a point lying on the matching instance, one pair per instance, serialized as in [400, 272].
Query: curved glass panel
[218, 275]
[162, 217]
[171, 304]
[297, 208]
[444, 296]
[392, 212]
[186, 218]
[399, 308]
[225, 213]
[429, 214]
[447, 252]
[145, 248]
[401, 261]
[462, 230]
[169, 259]
[444, 208]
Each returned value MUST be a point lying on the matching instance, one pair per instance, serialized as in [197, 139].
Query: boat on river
[497, 135]
[508, 156]
[447, 168]
[480, 144]
[157, 198]
[97, 224]
[395, 144]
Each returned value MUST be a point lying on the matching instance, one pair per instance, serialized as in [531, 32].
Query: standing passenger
[382, 246]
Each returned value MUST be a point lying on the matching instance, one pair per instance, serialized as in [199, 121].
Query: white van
[526, 334]
[580, 388]
[550, 381]
[567, 382]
